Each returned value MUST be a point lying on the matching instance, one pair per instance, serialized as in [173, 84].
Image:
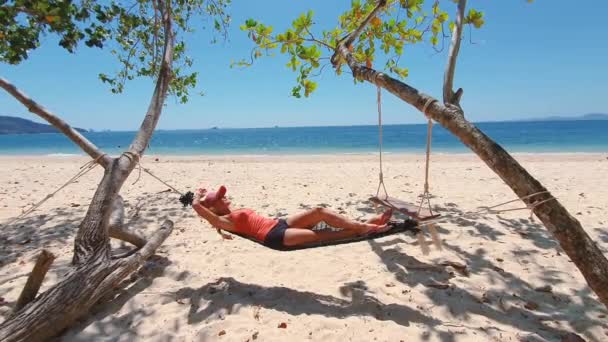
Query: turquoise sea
[533, 137]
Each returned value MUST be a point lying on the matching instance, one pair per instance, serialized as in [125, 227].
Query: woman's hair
[187, 198]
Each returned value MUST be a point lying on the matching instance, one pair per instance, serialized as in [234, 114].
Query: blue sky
[529, 60]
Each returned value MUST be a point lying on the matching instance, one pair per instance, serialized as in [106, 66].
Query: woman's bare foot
[371, 228]
[382, 218]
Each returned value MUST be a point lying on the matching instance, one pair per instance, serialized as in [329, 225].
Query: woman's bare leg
[300, 236]
[381, 218]
[311, 218]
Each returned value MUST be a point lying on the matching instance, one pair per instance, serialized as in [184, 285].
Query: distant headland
[15, 125]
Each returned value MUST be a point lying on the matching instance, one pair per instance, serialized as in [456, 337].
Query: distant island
[15, 125]
[590, 116]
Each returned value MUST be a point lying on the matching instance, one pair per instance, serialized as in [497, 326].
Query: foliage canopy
[132, 30]
[400, 23]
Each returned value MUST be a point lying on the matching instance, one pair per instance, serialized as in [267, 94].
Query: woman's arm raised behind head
[220, 222]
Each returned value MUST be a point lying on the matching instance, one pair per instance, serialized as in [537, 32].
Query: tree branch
[35, 279]
[315, 40]
[123, 267]
[568, 231]
[155, 36]
[95, 273]
[153, 243]
[93, 234]
[61, 125]
[131, 237]
[117, 228]
[350, 38]
[449, 97]
[141, 141]
[60, 306]
[23, 10]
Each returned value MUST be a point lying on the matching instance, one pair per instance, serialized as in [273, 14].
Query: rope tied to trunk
[185, 198]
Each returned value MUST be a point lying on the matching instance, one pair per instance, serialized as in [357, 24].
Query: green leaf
[250, 23]
[386, 38]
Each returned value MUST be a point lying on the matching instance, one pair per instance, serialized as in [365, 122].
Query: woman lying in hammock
[279, 234]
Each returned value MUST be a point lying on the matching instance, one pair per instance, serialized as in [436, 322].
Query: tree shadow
[25, 238]
[149, 208]
[602, 234]
[506, 308]
[227, 294]
[103, 320]
[36, 232]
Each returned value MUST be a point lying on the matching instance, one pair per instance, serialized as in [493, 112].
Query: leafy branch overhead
[399, 23]
[131, 30]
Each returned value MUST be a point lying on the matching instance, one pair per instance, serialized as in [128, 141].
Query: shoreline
[308, 155]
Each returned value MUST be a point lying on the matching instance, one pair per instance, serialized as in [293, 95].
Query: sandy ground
[200, 288]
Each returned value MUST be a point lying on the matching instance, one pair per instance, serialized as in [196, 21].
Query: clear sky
[529, 60]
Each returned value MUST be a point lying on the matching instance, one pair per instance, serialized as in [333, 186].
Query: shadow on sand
[505, 308]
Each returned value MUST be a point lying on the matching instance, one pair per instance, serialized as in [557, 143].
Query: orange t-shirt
[248, 223]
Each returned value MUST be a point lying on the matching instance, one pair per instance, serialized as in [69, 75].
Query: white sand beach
[518, 284]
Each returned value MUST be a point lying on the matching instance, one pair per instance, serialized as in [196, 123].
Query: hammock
[396, 227]
[414, 211]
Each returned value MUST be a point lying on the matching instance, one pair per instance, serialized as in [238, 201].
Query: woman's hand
[224, 236]
[199, 195]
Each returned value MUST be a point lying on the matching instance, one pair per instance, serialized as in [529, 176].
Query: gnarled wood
[60, 306]
[93, 235]
[35, 279]
[94, 272]
[568, 231]
[61, 125]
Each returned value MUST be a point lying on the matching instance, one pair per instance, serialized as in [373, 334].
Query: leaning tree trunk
[95, 272]
[87, 283]
[565, 228]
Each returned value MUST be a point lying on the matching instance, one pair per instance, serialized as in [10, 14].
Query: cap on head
[214, 196]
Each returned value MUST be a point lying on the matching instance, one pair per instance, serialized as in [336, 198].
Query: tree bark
[60, 306]
[142, 139]
[449, 97]
[62, 126]
[93, 235]
[568, 231]
[35, 279]
[94, 272]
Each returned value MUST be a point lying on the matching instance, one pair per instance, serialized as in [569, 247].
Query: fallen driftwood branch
[34, 281]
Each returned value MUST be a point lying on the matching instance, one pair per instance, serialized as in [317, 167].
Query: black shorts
[274, 238]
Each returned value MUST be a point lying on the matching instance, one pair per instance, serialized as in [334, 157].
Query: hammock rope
[426, 194]
[407, 225]
[380, 174]
[491, 209]
[83, 170]
[135, 157]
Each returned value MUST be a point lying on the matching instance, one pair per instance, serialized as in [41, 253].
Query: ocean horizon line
[213, 128]
[533, 137]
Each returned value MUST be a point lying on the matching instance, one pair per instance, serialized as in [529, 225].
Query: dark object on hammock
[412, 210]
[396, 227]
[187, 198]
